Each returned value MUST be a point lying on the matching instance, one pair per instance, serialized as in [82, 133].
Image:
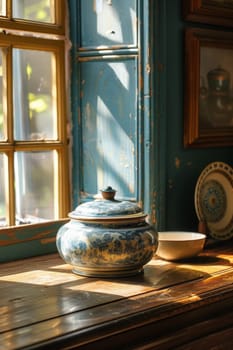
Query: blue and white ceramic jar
[107, 238]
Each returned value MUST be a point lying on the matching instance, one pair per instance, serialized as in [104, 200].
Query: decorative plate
[214, 199]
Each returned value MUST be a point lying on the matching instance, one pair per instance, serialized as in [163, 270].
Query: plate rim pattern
[225, 170]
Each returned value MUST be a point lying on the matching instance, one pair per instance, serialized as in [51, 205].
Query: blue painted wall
[182, 166]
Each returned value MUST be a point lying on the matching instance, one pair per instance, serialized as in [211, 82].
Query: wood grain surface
[43, 304]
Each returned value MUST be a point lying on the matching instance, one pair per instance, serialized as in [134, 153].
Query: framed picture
[218, 12]
[208, 98]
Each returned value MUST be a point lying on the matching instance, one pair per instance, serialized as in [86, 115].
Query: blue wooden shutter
[108, 95]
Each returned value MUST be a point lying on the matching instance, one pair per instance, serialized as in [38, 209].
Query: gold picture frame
[208, 98]
[217, 12]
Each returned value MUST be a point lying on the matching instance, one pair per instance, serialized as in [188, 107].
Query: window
[33, 116]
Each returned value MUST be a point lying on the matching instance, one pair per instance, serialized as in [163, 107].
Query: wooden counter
[189, 305]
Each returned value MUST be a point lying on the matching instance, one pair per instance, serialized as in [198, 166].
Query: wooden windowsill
[44, 305]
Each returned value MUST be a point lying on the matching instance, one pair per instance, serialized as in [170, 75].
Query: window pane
[1, 97]
[35, 183]
[34, 10]
[3, 172]
[34, 89]
[3, 7]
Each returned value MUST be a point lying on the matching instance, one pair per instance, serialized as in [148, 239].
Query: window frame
[18, 241]
[58, 27]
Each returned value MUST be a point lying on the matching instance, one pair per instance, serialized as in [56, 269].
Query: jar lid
[104, 209]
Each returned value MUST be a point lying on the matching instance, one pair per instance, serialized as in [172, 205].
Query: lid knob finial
[108, 193]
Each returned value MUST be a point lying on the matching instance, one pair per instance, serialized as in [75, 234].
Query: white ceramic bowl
[177, 245]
